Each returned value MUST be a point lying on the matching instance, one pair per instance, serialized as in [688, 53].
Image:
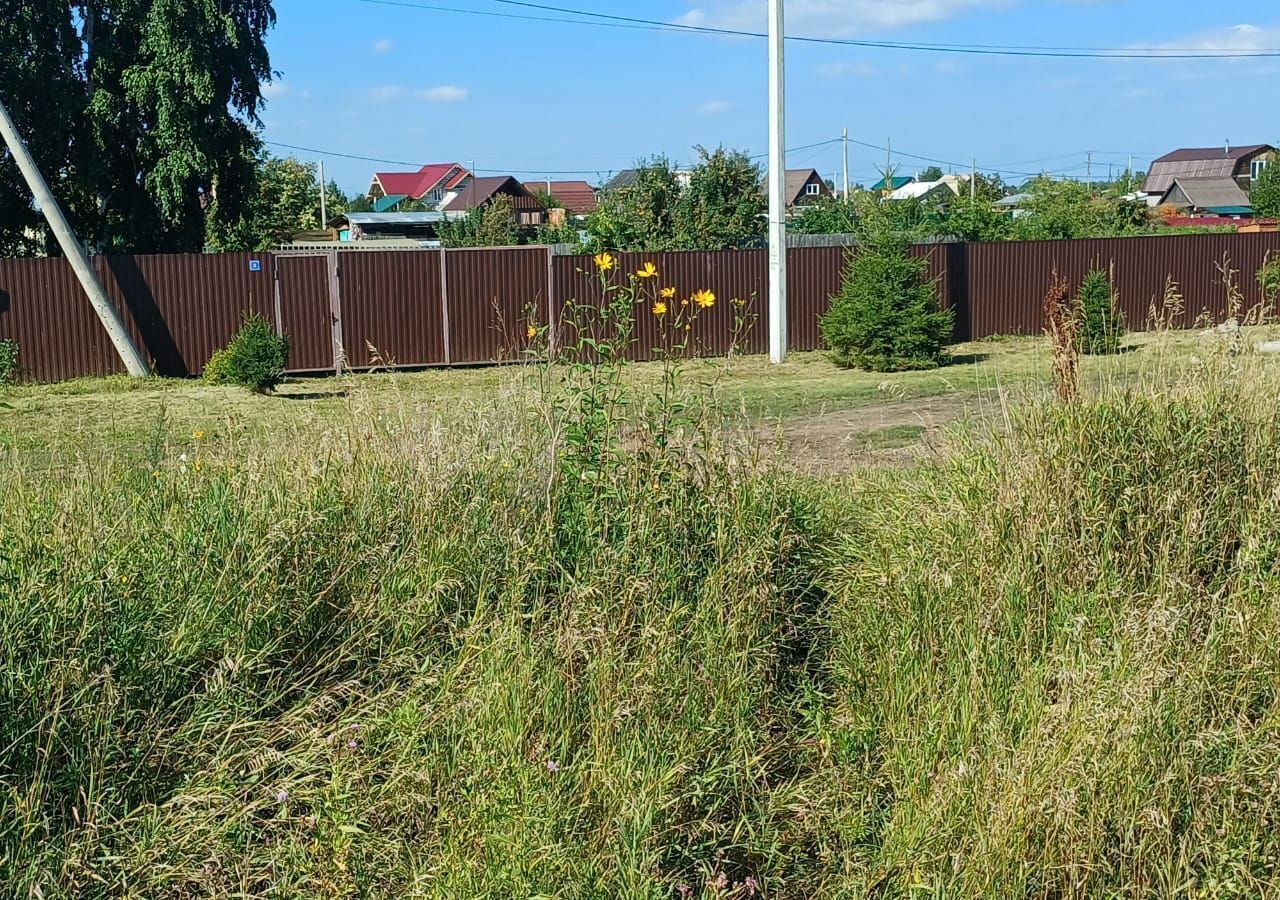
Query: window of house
[1256, 167]
[813, 190]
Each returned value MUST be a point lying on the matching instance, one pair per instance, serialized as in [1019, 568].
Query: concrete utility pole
[324, 203]
[846, 165]
[777, 185]
[1090, 172]
[133, 361]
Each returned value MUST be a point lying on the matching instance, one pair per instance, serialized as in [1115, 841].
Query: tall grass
[414, 662]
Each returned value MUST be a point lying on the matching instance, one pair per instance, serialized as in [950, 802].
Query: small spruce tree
[886, 317]
[1101, 324]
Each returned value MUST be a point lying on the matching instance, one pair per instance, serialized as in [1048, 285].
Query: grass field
[928, 635]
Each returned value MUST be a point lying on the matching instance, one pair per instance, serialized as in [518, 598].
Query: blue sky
[532, 98]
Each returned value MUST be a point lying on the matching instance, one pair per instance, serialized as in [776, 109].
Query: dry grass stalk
[1167, 314]
[1062, 325]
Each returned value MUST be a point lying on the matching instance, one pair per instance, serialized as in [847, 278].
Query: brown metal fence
[432, 307]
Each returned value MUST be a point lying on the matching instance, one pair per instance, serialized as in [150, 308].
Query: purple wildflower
[352, 744]
[282, 796]
[553, 766]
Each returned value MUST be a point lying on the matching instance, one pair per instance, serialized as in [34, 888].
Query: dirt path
[894, 432]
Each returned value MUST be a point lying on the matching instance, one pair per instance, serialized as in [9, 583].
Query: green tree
[975, 220]
[933, 173]
[827, 216]
[886, 317]
[284, 199]
[1058, 210]
[491, 225]
[723, 206]
[136, 111]
[1101, 324]
[640, 216]
[1265, 194]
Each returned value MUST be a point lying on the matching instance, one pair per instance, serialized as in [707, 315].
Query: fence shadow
[147, 317]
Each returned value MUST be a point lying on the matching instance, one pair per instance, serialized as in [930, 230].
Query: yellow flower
[199, 435]
[197, 465]
[605, 261]
[124, 579]
[659, 308]
[705, 299]
[155, 474]
[531, 332]
[648, 270]
[668, 293]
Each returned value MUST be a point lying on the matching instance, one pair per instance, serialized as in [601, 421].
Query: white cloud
[273, 89]
[848, 70]
[1235, 37]
[714, 107]
[444, 93]
[833, 18]
[383, 45]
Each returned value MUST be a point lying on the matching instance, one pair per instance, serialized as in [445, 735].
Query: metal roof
[1214, 194]
[382, 204]
[480, 191]
[1199, 162]
[897, 182]
[394, 218]
[422, 182]
[577, 197]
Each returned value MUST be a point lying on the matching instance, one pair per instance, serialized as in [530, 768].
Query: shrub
[1101, 325]
[1269, 279]
[8, 362]
[255, 358]
[886, 316]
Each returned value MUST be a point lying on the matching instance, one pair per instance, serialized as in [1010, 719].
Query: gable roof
[795, 184]
[422, 182]
[1198, 162]
[481, 190]
[624, 179]
[896, 182]
[1212, 194]
[577, 197]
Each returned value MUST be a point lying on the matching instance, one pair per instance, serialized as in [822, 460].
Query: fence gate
[308, 306]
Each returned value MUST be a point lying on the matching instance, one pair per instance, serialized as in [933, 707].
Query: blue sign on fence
[255, 265]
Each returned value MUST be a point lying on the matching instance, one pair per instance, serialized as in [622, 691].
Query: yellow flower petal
[668, 292]
[531, 332]
[648, 270]
[605, 261]
[705, 299]
[659, 308]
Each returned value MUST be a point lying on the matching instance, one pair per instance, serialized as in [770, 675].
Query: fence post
[552, 318]
[444, 306]
[335, 313]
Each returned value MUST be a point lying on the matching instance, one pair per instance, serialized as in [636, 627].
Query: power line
[400, 162]
[588, 17]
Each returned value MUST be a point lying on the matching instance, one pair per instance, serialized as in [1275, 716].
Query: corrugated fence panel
[494, 295]
[306, 314]
[732, 275]
[184, 307]
[391, 302]
[44, 310]
[1006, 283]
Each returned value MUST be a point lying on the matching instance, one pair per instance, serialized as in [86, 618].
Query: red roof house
[577, 198]
[429, 183]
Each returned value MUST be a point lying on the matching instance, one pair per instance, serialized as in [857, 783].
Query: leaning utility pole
[133, 361]
[846, 165]
[777, 185]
